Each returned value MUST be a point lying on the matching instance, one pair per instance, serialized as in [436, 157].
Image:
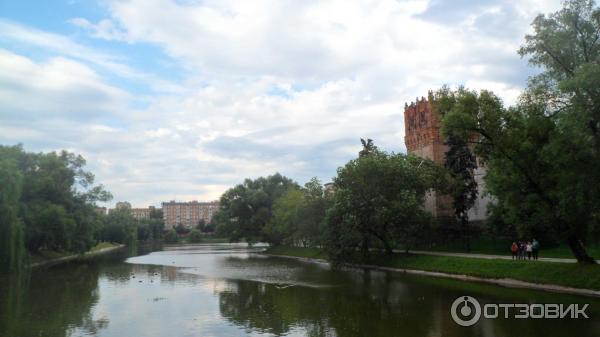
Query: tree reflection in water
[373, 303]
[50, 302]
[240, 294]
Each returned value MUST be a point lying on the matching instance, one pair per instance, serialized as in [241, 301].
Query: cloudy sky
[183, 99]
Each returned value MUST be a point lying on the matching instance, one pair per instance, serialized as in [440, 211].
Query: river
[230, 290]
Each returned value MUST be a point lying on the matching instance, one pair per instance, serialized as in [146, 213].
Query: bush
[171, 237]
[181, 229]
[195, 236]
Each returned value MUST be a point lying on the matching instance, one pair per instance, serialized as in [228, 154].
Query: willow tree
[566, 45]
[541, 181]
[11, 231]
[543, 154]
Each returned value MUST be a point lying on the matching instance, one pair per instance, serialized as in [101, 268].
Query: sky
[181, 100]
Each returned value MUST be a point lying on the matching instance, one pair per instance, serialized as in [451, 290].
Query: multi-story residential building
[137, 213]
[329, 190]
[188, 214]
[142, 213]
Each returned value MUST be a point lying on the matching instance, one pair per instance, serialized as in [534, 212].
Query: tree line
[48, 202]
[542, 157]
[375, 203]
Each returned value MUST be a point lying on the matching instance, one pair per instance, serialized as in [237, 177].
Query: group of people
[522, 250]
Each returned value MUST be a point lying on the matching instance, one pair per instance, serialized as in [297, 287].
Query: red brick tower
[423, 139]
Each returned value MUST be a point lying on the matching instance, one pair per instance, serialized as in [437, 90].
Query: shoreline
[503, 282]
[75, 257]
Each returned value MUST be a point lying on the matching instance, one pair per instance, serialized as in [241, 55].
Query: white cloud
[58, 87]
[17, 34]
[311, 42]
[270, 86]
[104, 29]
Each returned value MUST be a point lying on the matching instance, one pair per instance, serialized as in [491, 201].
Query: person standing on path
[535, 248]
[529, 249]
[514, 249]
[521, 254]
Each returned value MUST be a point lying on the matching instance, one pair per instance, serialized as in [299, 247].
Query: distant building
[423, 138]
[100, 210]
[188, 214]
[329, 189]
[142, 213]
[123, 205]
[137, 213]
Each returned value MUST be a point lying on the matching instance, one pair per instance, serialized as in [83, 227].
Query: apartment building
[188, 214]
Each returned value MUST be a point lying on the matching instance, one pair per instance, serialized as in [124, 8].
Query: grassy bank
[502, 247]
[212, 239]
[564, 274]
[47, 256]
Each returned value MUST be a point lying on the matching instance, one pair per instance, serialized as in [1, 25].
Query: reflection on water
[55, 304]
[228, 290]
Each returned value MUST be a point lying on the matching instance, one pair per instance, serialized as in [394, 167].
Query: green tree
[144, 233]
[171, 236]
[461, 163]
[181, 229]
[211, 226]
[378, 201]
[526, 163]
[368, 147]
[51, 203]
[58, 227]
[11, 231]
[283, 226]
[246, 208]
[543, 155]
[201, 224]
[156, 213]
[298, 216]
[154, 227]
[56, 203]
[312, 213]
[119, 226]
[566, 45]
[195, 236]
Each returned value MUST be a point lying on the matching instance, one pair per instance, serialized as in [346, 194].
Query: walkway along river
[229, 290]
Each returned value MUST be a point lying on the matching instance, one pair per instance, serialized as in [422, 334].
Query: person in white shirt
[528, 249]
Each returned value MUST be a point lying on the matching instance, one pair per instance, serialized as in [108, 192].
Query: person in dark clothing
[521, 250]
[535, 248]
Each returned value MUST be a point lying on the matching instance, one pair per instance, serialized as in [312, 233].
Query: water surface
[229, 290]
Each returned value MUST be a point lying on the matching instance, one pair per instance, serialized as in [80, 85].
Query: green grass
[210, 239]
[502, 247]
[313, 253]
[103, 245]
[565, 274]
[48, 255]
[204, 239]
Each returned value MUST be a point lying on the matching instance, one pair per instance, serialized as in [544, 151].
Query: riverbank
[491, 246]
[47, 259]
[548, 276]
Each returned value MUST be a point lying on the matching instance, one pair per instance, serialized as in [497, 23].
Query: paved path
[484, 256]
